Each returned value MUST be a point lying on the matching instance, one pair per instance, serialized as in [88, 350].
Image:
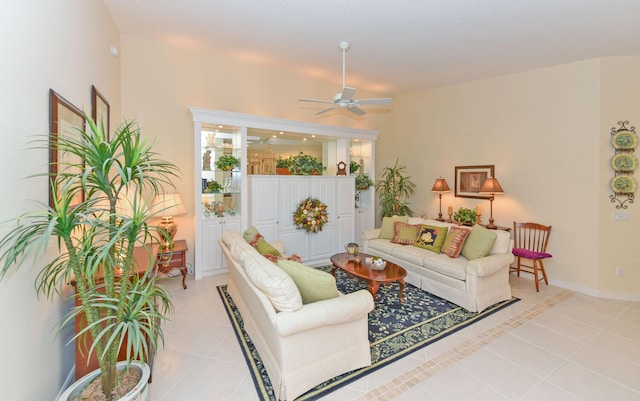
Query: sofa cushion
[455, 241]
[266, 248]
[382, 245]
[410, 254]
[313, 284]
[502, 244]
[443, 264]
[431, 237]
[386, 230]
[404, 234]
[479, 242]
[274, 283]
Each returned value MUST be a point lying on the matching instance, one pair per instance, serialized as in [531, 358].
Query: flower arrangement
[311, 215]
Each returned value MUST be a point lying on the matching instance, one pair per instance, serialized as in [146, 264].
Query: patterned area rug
[395, 330]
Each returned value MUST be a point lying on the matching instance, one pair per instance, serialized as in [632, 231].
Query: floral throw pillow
[405, 234]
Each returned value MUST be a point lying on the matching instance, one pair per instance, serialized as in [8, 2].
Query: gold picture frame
[469, 179]
[65, 119]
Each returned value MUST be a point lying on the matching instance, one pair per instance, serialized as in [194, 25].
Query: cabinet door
[293, 190]
[345, 207]
[212, 254]
[264, 207]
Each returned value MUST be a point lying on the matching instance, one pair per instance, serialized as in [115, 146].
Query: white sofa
[473, 284]
[299, 348]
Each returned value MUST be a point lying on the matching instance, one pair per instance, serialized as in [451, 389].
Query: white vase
[139, 393]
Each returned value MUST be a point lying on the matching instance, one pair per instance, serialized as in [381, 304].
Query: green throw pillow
[250, 234]
[386, 230]
[431, 237]
[313, 284]
[266, 248]
[478, 243]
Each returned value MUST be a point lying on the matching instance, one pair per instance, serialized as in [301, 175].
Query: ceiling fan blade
[382, 100]
[357, 111]
[315, 101]
[325, 110]
[347, 93]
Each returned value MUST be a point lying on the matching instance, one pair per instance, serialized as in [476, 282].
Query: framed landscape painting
[469, 179]
[64, 120]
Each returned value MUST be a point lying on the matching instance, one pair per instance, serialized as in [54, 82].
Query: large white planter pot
[139, 393]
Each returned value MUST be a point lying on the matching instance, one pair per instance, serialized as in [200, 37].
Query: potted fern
[227, 162]
[393, 189]
[95, 241]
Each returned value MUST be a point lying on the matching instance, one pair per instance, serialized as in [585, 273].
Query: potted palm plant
[98, 215]
[393, 188]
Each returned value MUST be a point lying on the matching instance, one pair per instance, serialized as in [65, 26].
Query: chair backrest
[531, 236]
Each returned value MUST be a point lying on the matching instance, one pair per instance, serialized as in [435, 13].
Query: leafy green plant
[213, 186]
[465, 216]
[95, 240]
[302, 164]
[284, 163]
[393, 189]
[227, 162]
[354, 166]
[363, 181]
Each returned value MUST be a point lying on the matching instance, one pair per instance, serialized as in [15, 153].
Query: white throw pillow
[503, 241]
[274, 283]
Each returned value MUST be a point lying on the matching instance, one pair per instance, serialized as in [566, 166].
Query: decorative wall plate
[624, 140]
[624, 184]
[624, 162]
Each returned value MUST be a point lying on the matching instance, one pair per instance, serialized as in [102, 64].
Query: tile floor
[552, 345]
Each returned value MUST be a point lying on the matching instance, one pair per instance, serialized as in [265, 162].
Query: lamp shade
[440, 186]
[168, 205]
[491, 186]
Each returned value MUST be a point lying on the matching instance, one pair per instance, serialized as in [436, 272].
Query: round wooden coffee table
[391, 273]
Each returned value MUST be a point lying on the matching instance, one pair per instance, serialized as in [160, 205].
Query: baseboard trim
[620, 296]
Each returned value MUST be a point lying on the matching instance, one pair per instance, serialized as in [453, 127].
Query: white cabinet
[274, 199]
[212, 259]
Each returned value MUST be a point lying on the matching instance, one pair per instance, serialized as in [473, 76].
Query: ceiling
[397, 46]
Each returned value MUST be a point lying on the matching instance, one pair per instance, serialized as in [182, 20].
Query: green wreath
[311, 215]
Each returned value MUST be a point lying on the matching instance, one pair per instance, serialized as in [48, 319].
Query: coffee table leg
[401, 281]
[374, 286]
[333, 270]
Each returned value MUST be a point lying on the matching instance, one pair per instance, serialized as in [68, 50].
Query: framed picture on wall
[65, 120]
[469, 179]
[100, 110]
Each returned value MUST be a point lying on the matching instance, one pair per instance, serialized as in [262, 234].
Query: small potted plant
[227, 162]
[354, 166]
[302, 164]
[213, 187]
[283, 165]
[464, 216]
[363, 182]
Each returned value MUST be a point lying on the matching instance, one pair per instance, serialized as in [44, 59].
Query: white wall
[62, 45]
[160, 81]
[547, 133]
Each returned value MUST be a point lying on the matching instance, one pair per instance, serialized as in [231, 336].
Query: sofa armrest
[489, 264]
[332, 311]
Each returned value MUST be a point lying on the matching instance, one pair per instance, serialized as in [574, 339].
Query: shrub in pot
[95, 239]
[227, 162]
[393, 189]
[465, 216]
[302, 164]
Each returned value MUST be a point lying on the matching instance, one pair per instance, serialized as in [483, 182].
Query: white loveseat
[473, 284]
[300, 348]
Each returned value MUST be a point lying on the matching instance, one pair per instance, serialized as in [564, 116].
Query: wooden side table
[176, 258]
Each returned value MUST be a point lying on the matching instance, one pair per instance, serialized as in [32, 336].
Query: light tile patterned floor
[552, 345]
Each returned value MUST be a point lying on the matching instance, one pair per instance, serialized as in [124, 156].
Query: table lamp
[440, 186]
[167, 206]
[491, 187]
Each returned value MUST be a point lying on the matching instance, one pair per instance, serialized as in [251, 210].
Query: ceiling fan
[345, 99]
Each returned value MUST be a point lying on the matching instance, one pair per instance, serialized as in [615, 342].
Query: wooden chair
[530, 243]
